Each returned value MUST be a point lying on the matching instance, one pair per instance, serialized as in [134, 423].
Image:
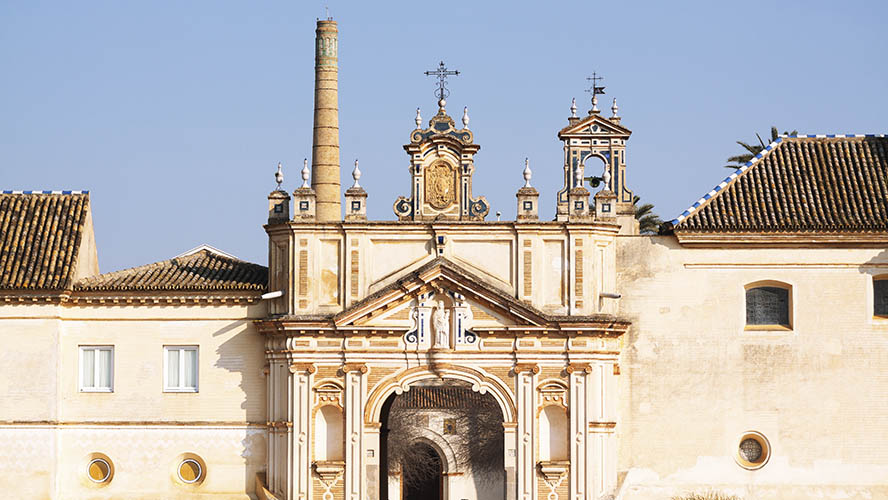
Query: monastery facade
[743, 349]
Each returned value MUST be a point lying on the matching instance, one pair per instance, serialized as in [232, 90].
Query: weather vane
[595, 90]
[442, 73]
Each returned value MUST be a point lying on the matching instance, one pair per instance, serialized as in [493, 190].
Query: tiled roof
[204, 270]
[40, 237]
[440, 397]
[800, 184]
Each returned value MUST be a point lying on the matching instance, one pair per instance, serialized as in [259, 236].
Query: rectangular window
[180, 369]
[767, 305]
[880, 297]
[96, 368]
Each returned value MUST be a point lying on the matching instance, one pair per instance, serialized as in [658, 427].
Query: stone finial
[614, 109]
[578, 177]
[356, 174]
[606, 177]
[279, 176]
[527, 173]
[465, 118]
[594, 105]
[418, 120]
[573, 107]
[306, 173]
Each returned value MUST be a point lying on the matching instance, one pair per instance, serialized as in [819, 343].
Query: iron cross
[442, 73]
[595, 90]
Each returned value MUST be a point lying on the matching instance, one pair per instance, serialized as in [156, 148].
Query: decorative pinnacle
[614, 109]
[442, 73]
[279, 176]
[606, 177]
[418, 120]
[305, 173]
[465, 118]
[356, 174]
[527, 173]
[573, 107]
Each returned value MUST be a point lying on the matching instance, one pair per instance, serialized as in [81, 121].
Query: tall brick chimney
[325, 142]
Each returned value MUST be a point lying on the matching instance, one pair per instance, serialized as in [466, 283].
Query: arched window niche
[768, 305]
[329, 443]
[553, 434]
[880, 296]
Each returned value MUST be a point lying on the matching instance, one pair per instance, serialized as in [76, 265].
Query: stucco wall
[693, 378]
[49, 429]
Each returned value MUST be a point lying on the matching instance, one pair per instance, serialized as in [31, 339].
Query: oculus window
[768, 305]
[96, 368]
[880, 296]
[180, 369]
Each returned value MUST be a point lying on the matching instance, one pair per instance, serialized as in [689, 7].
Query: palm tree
[754, 149]
[648, 222]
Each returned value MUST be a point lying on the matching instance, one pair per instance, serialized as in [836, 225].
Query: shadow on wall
[236, 355]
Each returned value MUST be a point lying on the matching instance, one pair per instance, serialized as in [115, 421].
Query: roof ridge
[14, 191]
[727, 181]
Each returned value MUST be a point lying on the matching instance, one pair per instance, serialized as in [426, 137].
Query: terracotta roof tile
[40, 237]
[828, 184]
[439, 397]
[204, 270]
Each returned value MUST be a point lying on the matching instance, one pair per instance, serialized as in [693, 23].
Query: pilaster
[355, 389]
[525, 391]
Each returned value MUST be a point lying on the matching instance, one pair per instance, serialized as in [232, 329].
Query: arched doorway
[422, 475]
[441, 434]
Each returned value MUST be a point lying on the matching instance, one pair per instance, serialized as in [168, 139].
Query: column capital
[302, 367]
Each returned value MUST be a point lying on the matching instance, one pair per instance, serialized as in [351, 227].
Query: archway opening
[422, 476]
[463, 427]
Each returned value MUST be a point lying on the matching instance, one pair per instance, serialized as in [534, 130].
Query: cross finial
[595, 90]
[442, 73]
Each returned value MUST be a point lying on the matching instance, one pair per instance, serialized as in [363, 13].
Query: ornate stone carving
[440, 186]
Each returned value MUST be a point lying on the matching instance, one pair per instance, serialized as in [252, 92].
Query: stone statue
[441, 321]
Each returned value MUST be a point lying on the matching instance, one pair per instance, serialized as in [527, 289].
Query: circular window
[99, 470]
[190, 471]
[753, 450]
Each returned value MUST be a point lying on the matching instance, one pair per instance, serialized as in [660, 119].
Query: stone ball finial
[527, 173]
[441, 103]
[418, 120]
[279, 175]
[465, 118]
[305, 173]
[614, 109]
[356, 174]
[594, 105]
[573, 107]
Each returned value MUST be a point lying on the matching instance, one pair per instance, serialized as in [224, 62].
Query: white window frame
[96, 349]
[166, 358]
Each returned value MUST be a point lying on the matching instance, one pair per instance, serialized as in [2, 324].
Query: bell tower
[596, 146]
[441, 166]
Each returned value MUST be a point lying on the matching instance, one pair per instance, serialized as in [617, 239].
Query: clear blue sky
[174, 114]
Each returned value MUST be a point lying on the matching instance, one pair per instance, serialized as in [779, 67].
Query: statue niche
[441, 169]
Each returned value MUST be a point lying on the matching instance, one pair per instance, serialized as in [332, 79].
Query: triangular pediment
[594, 125]
[440, 279]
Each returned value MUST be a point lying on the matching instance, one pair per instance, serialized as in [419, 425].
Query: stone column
[355, 388]
[525, 391]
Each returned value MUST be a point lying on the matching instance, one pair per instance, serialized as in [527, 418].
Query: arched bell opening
[465, 430]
